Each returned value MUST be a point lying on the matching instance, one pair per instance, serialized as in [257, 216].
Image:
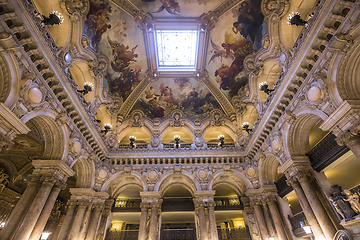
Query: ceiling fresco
[176, 8]
[237, 34]
[167, 94]
[115, 34]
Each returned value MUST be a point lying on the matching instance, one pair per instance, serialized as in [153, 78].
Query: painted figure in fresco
[218, 52]
[123, 57]
[171, 7]
[249, 23]
[98, 21]
[227, 73]
[180, 94]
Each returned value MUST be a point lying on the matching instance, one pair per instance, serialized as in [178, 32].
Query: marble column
[309, 214]
[67, 220]
[317, 207]
[21, 208]
[79, 216]
[34, 211]
[268, 220]
[104, 219]
[202, 222]
[94, 222]
[212, 222]
[353, 144]
[279, 225]
[261, 221]
[85, 224]
[154, 221]
[143, 221]
[45, 214]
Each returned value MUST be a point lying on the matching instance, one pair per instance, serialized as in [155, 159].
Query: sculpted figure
[353, 199]
[339, 198]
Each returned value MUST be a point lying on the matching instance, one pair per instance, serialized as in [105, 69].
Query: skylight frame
[175, 24]
[160, 34]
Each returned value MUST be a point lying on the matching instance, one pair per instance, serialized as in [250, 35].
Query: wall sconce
[132, 140]
[265, 88]
[54, 18]
[107, 128]
[88, 87]
[177, 140]
[246, 126]
[271, 238]
[45, 235]
[221, 139]
[295, 19]
[2, 225]
[149, 27]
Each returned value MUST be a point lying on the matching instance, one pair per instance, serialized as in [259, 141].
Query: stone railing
[177, 160]
[295, 222]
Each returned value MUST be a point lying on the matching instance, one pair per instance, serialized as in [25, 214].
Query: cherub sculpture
[353, 199]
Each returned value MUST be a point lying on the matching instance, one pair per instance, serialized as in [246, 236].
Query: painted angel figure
[219, 52]
[353, 199]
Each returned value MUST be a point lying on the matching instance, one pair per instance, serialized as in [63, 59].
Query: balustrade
[177, 160]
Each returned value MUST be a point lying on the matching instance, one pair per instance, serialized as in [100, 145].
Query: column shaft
[94, 223]
[102, 227]
[315, 227]
[21, 208]
[142, 227]
[153, 231]
[34, 211]
[354, 145]
[279, 226]
[318, 209]
[85, 223]
[202, 223]
[212, 224]
[67, 221]
[261, 221]
[268, 220]
[45, 214]
[75, 228]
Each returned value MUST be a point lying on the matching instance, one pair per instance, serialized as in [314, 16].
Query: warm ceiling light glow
[45, 235]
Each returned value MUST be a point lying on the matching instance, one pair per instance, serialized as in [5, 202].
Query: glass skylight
[176, 49]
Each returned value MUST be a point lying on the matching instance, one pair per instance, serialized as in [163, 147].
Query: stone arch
[268, 169]
[119, 181]
[10, 168]
[85, 173]
[50, 132]
[298, 133]
[347, 82]
[236, 180]
[185, 179]
[5, 79]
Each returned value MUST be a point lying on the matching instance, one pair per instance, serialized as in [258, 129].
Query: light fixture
[88, 87]
[45, 235]
[295, 19]
[107, 128]
[202, 27]
[221, 139]
[2, 225]
[132, 140]
[54, 18]
[306, 227]
[265, 88]
[149, 27]
[246, 126]
[177, 140]
[271, 238]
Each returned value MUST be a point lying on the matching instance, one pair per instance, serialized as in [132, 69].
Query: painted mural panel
[116, 35]
[174, 8]
[237, 34]
[163, 96]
